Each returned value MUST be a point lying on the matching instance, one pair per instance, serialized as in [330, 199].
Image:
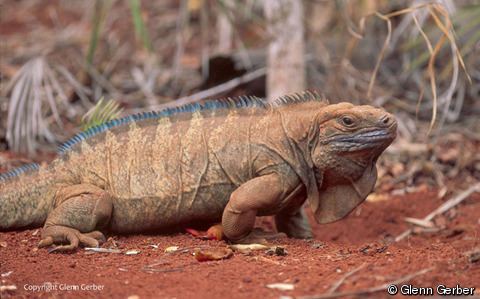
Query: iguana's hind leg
[80, 210]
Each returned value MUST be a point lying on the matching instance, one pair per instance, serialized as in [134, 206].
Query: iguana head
[345, 143]
[349, 138]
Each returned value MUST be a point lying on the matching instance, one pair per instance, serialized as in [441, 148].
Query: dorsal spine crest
[299, 97]
[228, 103]
[19, 170]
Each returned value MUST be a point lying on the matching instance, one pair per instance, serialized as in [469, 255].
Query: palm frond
[30, 89]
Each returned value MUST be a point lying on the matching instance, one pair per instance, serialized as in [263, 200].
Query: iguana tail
[26, 197]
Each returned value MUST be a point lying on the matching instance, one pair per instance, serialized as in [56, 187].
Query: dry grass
[436, 12]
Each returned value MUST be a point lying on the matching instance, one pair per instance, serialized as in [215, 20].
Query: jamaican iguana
[222, 161]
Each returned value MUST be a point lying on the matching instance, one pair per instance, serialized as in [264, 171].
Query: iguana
[220, 161]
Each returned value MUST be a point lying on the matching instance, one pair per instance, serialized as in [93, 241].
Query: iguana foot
[259, 236]
[82, 208]
[69, 236]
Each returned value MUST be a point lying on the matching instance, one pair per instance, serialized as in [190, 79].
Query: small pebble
[318, 245]
[277, 250]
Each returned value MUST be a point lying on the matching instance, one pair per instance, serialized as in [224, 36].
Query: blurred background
[66, 65]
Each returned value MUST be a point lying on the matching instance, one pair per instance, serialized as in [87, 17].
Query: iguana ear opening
[336, 202]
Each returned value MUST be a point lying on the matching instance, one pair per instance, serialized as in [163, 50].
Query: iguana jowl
[222, 161]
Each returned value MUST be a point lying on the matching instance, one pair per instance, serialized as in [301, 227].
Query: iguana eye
[347, 121]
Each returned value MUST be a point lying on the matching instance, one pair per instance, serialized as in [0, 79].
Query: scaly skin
[223, 165]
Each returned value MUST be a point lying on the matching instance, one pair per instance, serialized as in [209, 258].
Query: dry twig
[443, 208]
[371, 290]
[344, 277]
[212, 91]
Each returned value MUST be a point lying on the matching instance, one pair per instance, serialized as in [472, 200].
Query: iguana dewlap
[222, 161]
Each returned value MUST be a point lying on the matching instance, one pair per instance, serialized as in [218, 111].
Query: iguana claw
[61, 235]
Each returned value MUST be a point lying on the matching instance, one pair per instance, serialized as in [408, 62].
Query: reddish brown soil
[312, 266]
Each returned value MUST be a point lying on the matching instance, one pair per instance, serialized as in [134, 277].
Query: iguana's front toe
[215, 232]
[69, 238]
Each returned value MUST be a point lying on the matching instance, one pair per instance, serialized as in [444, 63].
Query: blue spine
[229, 103]
[19, 170]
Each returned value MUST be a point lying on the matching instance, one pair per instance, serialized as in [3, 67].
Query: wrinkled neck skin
[340, 167]
[298, 126]
[300, 130]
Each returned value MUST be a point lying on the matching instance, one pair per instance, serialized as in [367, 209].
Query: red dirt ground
[311, 266]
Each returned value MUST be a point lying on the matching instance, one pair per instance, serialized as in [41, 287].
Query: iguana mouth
[377, 138]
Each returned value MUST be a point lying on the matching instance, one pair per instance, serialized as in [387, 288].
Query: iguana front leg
[261, 193]
[80, 210]
[294, 225]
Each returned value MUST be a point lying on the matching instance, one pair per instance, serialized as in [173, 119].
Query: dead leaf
[377, 197]
[213, 254]
[171, 249]
[281, 286]
[246, 248]
[8, 288]
[215, 232]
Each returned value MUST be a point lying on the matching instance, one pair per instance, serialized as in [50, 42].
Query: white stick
[443, 208]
